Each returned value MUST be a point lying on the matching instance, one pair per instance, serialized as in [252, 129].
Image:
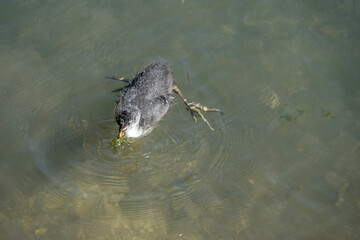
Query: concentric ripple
[180, 170]
[180, 166]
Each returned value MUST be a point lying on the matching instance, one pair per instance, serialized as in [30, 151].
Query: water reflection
[281, 163]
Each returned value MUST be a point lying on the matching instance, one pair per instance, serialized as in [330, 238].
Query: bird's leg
[119, 79]
[195, 108]
[178, 92]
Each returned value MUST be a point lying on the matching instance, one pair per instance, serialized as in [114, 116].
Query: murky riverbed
[282, 163]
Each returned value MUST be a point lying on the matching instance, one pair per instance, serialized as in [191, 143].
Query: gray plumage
[145, 100]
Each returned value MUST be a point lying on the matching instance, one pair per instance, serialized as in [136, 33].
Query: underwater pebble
[269, 98]
[40, 231]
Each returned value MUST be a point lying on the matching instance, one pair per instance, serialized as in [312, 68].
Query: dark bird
[146, 100]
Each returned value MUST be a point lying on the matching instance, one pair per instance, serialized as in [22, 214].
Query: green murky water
[282, 163]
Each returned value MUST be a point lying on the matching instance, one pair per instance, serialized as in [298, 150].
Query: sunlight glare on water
[282, 162]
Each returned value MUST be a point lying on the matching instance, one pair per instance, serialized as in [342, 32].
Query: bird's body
[145, 100]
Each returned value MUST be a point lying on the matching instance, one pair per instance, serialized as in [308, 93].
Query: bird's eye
[124, 115]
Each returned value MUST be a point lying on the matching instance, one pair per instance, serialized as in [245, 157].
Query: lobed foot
[195, 108]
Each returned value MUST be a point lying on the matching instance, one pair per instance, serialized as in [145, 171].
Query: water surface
[281, 163]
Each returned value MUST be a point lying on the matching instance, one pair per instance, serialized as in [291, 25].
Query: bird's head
[126, 118]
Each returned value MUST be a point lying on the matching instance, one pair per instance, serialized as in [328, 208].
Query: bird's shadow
[118, 90]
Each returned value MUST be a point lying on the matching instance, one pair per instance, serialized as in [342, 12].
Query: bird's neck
[134, 130]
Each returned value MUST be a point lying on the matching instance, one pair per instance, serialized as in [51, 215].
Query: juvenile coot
[146, 99]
